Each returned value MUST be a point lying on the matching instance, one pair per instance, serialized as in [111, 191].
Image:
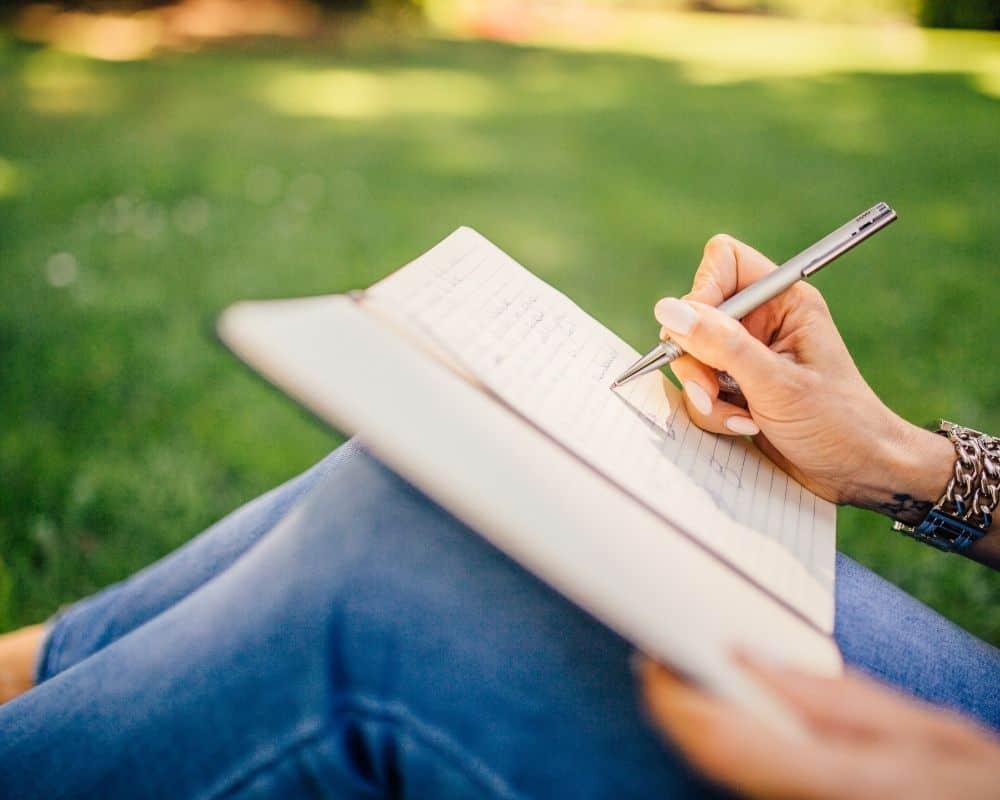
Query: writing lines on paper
[765, 521]
[553, 363]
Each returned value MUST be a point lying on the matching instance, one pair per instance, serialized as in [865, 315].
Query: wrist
[909, 471]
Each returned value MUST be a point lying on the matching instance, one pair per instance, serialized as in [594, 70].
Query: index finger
[727, 267]
[735, 749]
[852, 705]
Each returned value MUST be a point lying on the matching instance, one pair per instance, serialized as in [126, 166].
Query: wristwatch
[965, 511]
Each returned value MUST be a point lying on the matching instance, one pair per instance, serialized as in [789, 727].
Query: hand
[816, 416]
[864, 740]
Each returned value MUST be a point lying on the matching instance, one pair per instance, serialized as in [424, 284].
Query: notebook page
[668, 596]
[540, 353]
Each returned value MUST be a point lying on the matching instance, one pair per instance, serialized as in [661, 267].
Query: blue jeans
[343, 636]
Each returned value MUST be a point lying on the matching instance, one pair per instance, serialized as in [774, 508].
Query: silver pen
[804, 265]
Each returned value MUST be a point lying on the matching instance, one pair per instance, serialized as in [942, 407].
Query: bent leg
[890, 635]
[880, 629]
[370, 645]
[94, 622]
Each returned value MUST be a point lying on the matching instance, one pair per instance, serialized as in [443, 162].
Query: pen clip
[849, 236]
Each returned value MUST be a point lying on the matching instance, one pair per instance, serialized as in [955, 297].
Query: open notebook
[489, 390]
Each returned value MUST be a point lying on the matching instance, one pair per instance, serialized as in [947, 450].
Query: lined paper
[544, 356]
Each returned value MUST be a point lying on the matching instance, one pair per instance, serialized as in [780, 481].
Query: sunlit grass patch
[358, 94]
[58, 83]
[12, 178]
[720, 49]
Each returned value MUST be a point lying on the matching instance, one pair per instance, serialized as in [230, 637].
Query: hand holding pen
[819, 420]
[770, 285]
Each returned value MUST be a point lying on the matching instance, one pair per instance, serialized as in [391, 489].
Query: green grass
[186, 182]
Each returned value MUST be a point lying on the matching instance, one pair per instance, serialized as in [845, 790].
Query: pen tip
[615, 384]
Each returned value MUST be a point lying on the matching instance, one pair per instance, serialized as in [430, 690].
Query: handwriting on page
[548, 359]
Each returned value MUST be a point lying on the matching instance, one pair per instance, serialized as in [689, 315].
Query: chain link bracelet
[965, 511]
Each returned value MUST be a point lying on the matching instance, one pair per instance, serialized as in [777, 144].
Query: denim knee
[432, 625]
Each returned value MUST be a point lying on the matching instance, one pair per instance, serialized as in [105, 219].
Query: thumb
[721, 342]
[727, 267]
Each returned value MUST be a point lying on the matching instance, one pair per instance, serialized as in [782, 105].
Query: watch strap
[943, 531]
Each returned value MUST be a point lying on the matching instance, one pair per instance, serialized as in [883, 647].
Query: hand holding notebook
[488, 389]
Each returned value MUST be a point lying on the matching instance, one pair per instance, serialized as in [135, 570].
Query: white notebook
[489, 390]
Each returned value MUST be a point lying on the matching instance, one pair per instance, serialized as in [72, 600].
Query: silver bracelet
[974, 490]
[965, 511]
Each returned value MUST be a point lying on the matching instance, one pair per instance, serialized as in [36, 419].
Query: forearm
[915, 467]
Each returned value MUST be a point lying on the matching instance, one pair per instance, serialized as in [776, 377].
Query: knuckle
[798, 384]
[704, 282]
[950, 730]
[731, 336]
[805, 381]
[719, 241]
[810, 297]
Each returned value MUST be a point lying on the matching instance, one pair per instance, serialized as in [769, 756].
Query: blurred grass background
[139, 198]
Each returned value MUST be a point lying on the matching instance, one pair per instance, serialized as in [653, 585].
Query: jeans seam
[434, 739]
[229, 785]
[431, 738]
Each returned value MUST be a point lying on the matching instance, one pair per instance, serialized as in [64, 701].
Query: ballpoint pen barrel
[797, 268]
[759, 292]
[808, 262]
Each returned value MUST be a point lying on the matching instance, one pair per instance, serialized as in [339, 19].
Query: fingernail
[743, 426]
[699, 397]
[675, 314]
